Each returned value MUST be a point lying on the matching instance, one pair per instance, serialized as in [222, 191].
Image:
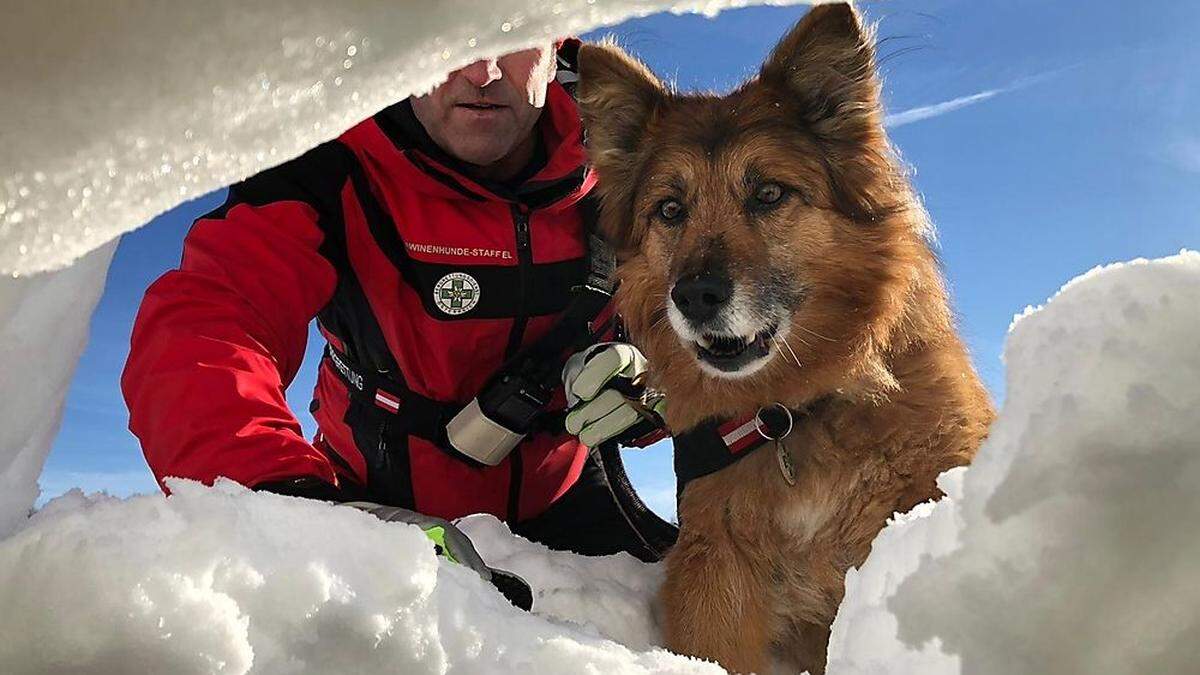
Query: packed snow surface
[219, 580]
[1070, 545]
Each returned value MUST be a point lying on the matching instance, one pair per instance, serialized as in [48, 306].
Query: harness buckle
[759, 423]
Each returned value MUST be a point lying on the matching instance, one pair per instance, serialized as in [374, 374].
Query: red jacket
[481, 271]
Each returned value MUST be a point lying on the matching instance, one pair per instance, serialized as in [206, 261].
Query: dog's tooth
[703, 341]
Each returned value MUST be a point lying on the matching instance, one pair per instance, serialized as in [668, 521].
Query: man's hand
[448, 540]
[606, 397]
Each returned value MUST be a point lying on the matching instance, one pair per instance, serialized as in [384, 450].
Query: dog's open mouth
[731, 353]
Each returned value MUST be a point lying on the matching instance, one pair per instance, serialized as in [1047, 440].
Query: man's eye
[769, 193]
[670, 209]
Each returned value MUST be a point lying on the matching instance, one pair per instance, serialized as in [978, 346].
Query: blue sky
[1045, 138]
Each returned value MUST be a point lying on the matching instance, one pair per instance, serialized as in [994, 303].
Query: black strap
[544, 358]
[656, 535]
[703, 449]
[422, 416]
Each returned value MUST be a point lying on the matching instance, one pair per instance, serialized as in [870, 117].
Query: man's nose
[482, 73]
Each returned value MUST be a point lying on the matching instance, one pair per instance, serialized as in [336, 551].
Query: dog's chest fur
[856, 463]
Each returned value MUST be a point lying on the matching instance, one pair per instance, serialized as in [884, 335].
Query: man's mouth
[481, 106]
[731, 353]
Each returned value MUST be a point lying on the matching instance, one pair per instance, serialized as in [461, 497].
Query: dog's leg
[716, 602]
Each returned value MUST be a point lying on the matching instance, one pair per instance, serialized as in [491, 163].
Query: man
[438, 244]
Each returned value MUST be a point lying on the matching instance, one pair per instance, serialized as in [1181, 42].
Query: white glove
[606, 398]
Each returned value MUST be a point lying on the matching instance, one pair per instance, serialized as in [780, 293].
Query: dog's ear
[617, 93]
[826, 66]
[824, 72]
[617, 97]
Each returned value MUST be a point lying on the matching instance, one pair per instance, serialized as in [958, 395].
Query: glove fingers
[609, 426]
[600, 368]
[604, 404]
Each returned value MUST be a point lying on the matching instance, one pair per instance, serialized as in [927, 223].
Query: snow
[613, 594]
[222, 579]
[115, 112]
[1069, 546]
[43, 330]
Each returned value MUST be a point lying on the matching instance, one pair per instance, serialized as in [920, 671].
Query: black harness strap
[716, 444]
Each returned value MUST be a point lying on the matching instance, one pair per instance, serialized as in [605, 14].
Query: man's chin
[481, 158]
[484, 153]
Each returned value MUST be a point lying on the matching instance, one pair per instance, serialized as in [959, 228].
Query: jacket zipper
[524, 263]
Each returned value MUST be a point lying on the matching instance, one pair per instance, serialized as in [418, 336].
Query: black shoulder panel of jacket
[315, 178]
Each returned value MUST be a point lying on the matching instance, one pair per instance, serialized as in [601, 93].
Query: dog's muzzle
[729, 338]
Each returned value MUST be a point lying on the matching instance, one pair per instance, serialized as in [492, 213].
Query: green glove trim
[437, 534]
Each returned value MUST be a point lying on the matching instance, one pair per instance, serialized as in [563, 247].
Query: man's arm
[217, 341]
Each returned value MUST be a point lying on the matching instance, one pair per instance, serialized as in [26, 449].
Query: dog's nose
[700, 297]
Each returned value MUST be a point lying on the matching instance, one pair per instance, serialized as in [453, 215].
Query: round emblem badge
[456, 293]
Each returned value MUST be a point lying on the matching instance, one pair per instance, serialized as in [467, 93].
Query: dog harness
[716, 444]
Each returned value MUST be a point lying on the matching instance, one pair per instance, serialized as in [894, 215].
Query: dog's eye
[769, 193]
[669, 209]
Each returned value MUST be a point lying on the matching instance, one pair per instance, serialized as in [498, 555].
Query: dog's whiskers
[792, 352]
[815, 334]
[785, 345]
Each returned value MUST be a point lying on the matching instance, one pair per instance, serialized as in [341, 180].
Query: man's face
[483, 111]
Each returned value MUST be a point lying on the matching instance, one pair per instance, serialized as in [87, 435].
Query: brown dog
[773, 254]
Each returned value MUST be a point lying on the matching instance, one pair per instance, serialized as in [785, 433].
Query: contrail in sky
[925, 112]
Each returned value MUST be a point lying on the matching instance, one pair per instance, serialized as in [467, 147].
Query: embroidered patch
[456, 293]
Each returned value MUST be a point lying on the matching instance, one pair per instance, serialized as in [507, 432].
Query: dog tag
[785, 462]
